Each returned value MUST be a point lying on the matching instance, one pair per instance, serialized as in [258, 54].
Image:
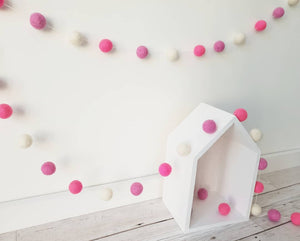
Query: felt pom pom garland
[39, 22]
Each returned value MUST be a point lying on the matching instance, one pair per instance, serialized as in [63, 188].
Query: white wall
[103, 118]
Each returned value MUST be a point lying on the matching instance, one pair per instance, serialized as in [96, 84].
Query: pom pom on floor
[260, 25]
[48, 168]
[75, 187]
[106, 194]
[293, 2]
[262, 164]
[105, 45]
[219, 46]
[202, 193]
[136, 188]
[38, 21]
[259, 187]
[209, 126]
[295, 218]
[224, 209]
[241, 114]
[278, 12]
[24, 141]
[172, 54]
[165, 169]
[274, 215]
[1, 3]
[199, 50]
[256, 210]
[142, 52]
[5, 111]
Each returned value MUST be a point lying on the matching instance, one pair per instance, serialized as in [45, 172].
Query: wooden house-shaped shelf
[225, 163]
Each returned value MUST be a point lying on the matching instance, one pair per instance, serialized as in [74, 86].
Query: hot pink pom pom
[224, 209]
[136, 188]
[202, 193]
[1, 3]
[75, 187]
[259, 187]
[262, 164]
[274, 215]
[295, 218]
[48, 168]
[278, 12]
[142, 52]
[38, 21]
[199, 50]
[209, 126]
[105, 45]
[165, 169]
[219, 46]
[241, 114]
[5, 111]
[260, 25]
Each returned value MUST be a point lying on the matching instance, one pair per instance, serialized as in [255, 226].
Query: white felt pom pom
[293, 2]
[239, 38]
[106, 194]
[183, 149]
[256, 134]
[255, 210]
[172, 54]
[76, 38]
[25, 141]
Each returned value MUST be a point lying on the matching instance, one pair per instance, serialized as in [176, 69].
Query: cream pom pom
[106, 194]
[25, 141]
[76, 39]
[256, 134]
[293, 2]
[183, 149]
[255, 210]
[172, 54]
[239, 38]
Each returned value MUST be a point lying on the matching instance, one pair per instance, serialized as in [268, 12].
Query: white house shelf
[225, 163]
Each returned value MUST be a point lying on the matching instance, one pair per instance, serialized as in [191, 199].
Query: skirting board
[27, 212]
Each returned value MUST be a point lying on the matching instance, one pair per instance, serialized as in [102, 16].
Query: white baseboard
[34, 211]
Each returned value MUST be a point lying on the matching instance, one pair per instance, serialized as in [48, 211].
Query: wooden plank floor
[151, 221]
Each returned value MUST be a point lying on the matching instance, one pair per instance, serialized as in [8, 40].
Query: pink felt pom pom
[295, 218]
[105, 45]
[241, 114]
[75, 187]
[165, 169]
[142, 52]
[260, 25]
[1, 3]
[278, 12]
[274, 215]
[219, 46]
[262, 164]
[136, 188]
[259, 187]
[224, 209]
[209, 126]
[5, 111]
[38, 21]
[48, 168]
[199, 50]
[202, 193]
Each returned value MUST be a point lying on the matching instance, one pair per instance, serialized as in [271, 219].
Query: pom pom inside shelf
[225, 163]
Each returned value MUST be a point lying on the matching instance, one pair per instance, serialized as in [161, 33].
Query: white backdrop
[103, 118]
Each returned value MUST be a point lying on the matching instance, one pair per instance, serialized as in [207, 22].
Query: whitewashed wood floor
[151, 221]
